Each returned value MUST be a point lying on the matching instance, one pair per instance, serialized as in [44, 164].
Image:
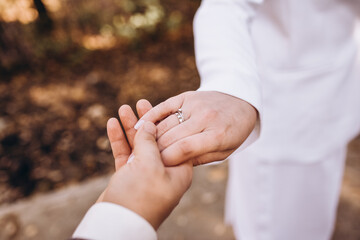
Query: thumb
[145, 145]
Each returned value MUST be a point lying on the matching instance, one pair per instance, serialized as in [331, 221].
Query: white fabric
[107, 221]
[304, 53]
[309, 75]
[278, 201]
[224, 54]
[296, 63]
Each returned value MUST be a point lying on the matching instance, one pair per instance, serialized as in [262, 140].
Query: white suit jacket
[293, 60]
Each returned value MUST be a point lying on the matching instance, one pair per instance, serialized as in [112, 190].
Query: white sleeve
[110, 221]
[224, 52]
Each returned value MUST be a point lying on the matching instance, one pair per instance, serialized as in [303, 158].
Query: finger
[142, 107]
[190, 147]
[128, 120]
[211, 157]
[145, 145]
[178, 132]
[167, 124]
[162, 110]
[181, 176]
[119, 146]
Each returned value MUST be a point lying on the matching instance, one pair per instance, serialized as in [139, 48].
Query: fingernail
[131, 158]
[139, 124]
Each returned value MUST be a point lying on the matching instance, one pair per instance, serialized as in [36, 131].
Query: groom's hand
[215, 125]
[144, 185]
[121, 149]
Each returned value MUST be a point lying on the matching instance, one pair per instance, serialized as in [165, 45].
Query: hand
[216, 124]
[144, 185]
[119, 147]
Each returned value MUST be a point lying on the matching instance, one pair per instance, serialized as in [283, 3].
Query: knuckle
[196, 162]
[161, 128]
[165, 106]
[161, 144]
[219, 134]
[165, 141]
[166, 138]
[200, 160]
[167, 159]
[186, 94]
[186, 148]
[211, 114]
[177, 98]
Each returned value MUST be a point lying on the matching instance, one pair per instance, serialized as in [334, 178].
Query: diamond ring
[180, 115]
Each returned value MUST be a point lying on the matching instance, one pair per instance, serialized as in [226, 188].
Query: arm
[224, 52]
[225, 55]
[221, 115]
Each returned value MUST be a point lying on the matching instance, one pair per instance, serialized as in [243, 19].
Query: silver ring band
[180, 115]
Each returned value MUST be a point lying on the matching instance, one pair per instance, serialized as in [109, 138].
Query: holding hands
[154, 163]
[215, 125]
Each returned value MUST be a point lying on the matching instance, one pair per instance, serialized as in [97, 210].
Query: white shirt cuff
[111, 221]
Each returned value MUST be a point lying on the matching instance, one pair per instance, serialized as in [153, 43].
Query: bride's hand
[215, 125]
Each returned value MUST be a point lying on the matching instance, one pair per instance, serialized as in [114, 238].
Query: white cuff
[111, 221]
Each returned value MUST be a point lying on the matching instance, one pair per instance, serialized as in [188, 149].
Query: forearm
[224, 51]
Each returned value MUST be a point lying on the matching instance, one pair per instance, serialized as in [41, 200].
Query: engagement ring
[180, 115]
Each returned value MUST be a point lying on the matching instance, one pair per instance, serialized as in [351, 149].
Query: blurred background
[65, 68]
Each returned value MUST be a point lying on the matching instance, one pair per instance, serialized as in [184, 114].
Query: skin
[128, 120]
[216, 124]
[143, 185]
